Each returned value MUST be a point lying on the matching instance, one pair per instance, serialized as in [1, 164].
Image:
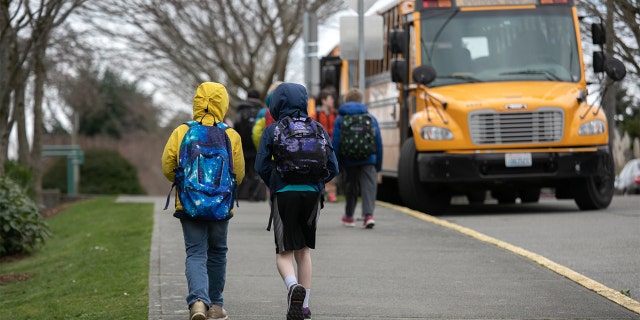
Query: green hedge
[103, 172]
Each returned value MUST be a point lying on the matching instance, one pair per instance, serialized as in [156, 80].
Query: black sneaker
[296, 296]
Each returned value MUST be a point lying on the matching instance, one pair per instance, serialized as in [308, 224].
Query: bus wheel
[415, 194]
[596, 192]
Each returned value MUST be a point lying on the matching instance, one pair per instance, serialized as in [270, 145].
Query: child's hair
[354, 95]
[324, 94]
[273, 86]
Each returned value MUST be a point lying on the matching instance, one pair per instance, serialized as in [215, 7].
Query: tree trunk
[20, 118]
[609, 99]
[40, 73]
[5, 47]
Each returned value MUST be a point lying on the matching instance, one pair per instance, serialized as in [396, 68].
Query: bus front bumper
[492, 167]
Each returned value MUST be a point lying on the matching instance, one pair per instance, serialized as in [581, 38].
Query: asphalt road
[603, 245]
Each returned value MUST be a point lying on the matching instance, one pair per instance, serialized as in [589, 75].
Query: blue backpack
[300, 150]
[205, 181]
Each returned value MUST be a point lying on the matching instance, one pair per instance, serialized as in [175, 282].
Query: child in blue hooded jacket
[295, 208]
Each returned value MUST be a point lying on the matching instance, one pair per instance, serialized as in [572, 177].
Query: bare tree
[25, 34]
[621, 19]
[13, 56]
[241, 43]
[627, 39]
[623, 31]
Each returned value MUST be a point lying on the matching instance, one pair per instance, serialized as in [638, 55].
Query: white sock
[290, 280]
[305, 304]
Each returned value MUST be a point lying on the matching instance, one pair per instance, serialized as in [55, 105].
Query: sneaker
[217, 313]
[198, 311]
[368, 222]
[296, 296]
[306, 312]
[348, 222]
[332, 198]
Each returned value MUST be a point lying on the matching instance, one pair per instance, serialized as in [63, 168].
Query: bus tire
[596, 192]
[415, 194]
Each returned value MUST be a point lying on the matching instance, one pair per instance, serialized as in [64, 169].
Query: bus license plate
[518, 159]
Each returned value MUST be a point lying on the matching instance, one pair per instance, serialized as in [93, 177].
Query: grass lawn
[95, 266]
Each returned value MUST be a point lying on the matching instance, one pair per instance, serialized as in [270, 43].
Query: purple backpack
[300, 150]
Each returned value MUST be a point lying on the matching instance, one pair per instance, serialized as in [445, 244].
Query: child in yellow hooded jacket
[205, 241]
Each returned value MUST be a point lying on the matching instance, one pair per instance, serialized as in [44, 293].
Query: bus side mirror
[598, 61]
[615, 69]
[398, 70]
[598, 33]
[424, 74]
[396, 41]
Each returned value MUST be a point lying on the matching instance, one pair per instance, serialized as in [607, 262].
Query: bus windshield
[500, 45]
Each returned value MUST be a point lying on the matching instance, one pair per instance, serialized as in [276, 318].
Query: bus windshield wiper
[437, 35]
[548, 74]
[460, 77]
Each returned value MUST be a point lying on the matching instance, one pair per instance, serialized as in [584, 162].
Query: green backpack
[357, 136]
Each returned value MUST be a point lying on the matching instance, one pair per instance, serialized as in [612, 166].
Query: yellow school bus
[477, 97]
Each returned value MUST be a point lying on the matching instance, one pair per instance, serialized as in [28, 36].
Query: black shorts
[295, 217]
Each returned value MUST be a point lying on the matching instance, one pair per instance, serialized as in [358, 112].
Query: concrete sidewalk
[404, 268]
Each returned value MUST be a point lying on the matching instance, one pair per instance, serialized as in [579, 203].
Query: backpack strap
[230, 153]
[166, 205]
[190, 123]
[229, 148]
[270, 218]
[271, 205]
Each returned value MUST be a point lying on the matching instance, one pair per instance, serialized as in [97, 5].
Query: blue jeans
[206, 264]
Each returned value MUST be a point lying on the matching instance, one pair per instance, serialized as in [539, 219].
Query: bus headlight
[591, 128]
[436, 133]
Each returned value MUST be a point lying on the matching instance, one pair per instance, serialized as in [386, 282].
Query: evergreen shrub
[22, 228]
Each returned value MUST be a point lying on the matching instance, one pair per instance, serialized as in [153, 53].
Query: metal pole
[361, 60]
[307, 64]
[609, 99]
[311, 74]
[76, 164]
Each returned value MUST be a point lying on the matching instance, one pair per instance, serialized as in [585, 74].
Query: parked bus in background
[477, 96]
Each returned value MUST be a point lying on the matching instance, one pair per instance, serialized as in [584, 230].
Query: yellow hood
[211, 98]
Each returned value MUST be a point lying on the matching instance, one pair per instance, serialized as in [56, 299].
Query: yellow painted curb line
[588, 283]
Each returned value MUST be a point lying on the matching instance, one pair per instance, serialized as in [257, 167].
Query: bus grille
[490, 127]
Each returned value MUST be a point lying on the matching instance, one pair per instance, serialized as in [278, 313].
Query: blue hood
[288, 99]
[352, 108]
